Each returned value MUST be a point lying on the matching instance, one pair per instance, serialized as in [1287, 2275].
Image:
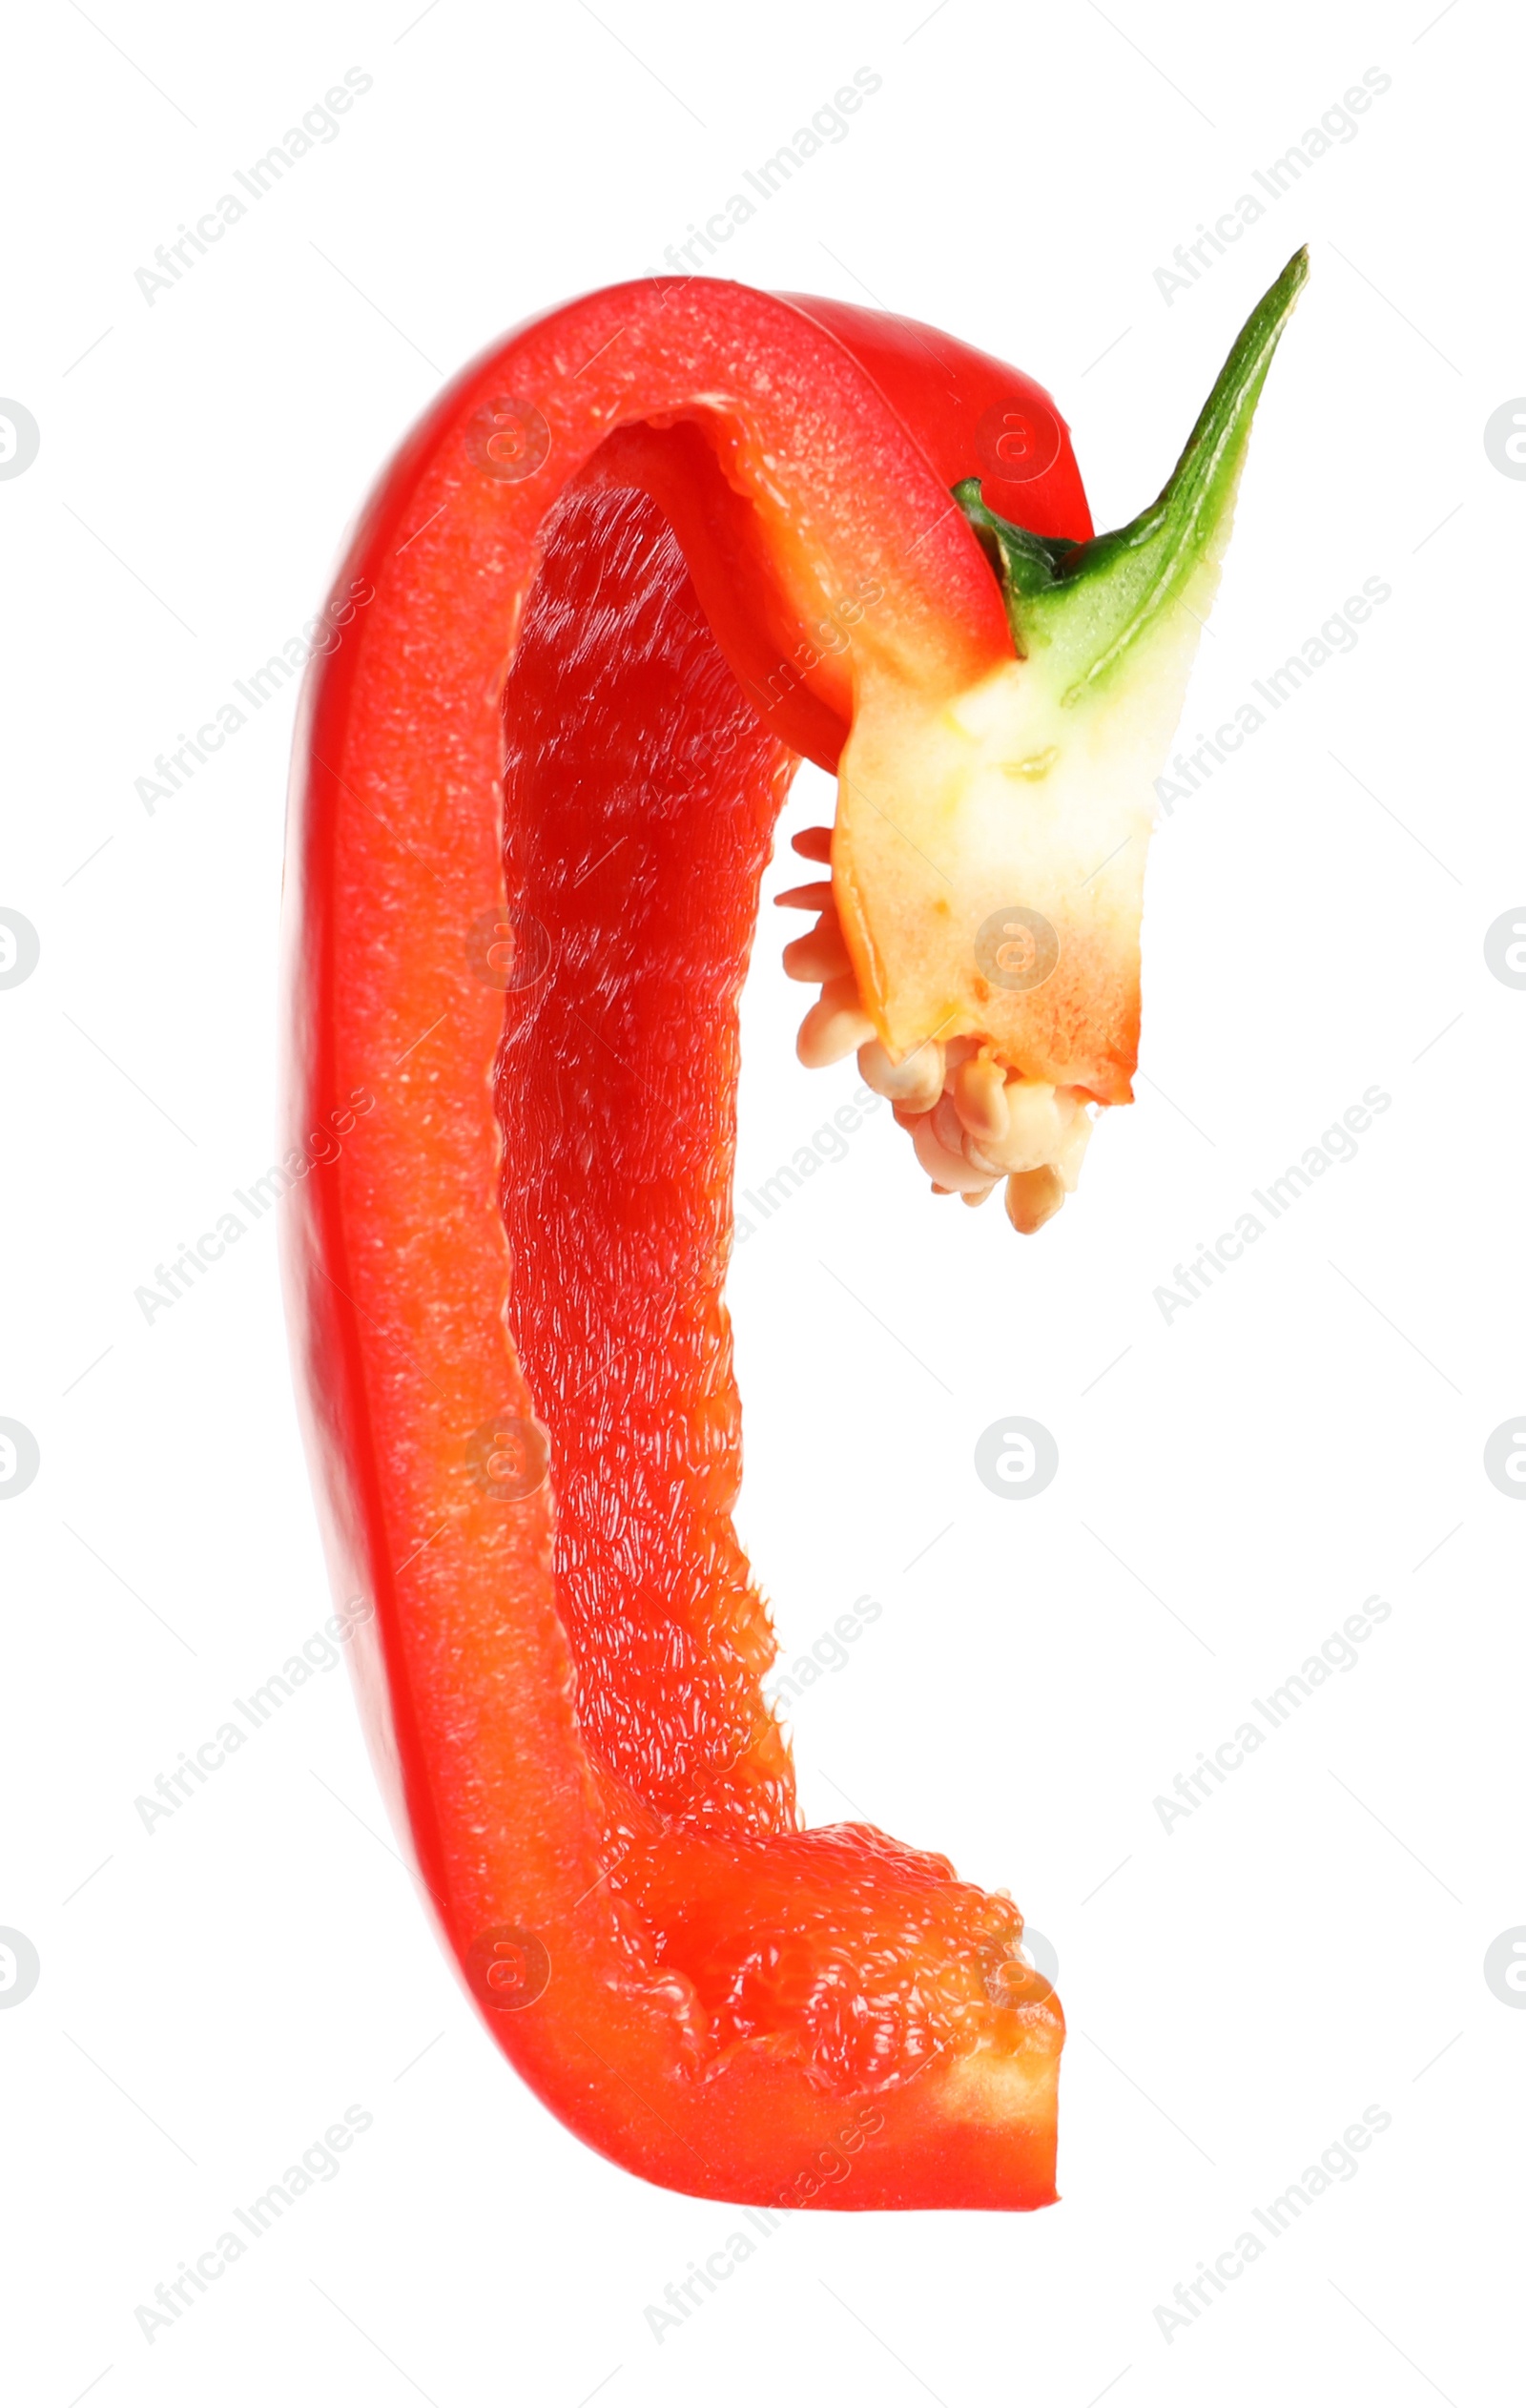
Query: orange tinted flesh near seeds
[564, 1690]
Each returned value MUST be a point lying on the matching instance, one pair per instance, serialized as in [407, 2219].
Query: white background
[1232, 1483]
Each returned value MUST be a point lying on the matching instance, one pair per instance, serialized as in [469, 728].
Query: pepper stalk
[990, 842]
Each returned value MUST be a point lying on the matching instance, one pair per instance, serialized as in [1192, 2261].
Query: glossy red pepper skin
[601, 580]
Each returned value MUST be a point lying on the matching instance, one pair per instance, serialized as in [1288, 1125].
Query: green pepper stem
[1092, 602]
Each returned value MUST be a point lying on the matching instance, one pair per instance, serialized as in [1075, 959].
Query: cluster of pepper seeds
[972, 1121]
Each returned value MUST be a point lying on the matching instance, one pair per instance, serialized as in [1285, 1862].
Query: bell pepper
[632, 565]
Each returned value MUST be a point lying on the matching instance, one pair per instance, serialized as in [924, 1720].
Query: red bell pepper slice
[630, 565]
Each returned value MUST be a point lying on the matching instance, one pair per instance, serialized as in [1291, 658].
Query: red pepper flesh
[629, 569]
